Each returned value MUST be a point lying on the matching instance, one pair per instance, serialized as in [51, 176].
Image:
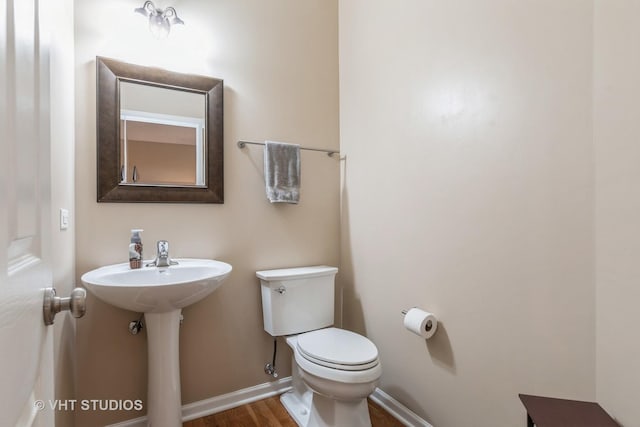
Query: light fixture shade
[147, 8]
[159, 26]
[160, 21]
[172, 16]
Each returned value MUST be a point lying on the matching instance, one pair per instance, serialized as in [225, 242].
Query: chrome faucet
[162, 255]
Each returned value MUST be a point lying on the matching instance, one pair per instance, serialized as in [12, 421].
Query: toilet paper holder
[428, 327]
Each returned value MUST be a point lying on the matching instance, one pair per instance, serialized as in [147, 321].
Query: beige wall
[278, 60]
[616, 135]
[468, 191]
[158, 162]
[62, 196]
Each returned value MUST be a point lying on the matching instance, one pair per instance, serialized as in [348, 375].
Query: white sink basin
[156, 289]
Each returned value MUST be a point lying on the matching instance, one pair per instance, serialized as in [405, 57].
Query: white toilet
[333, 370]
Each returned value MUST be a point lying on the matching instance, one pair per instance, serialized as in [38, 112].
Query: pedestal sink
[160, 293]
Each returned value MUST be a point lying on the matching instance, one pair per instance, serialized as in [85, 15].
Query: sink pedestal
[164, 403]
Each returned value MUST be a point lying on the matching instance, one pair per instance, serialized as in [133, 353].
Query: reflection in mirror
[161, 136]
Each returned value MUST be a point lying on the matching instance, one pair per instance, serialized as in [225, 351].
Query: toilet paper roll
[421, 322]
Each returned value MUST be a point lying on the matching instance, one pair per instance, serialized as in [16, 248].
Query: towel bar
[330, 153]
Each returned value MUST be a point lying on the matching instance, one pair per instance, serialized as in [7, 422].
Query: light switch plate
[64, 219]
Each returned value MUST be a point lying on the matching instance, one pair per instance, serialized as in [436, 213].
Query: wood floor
[270, 413]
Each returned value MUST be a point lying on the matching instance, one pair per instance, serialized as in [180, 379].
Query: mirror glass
[162, 134]
[159, 135]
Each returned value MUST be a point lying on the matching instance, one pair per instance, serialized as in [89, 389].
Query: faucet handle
[162, 256]
[163, 248]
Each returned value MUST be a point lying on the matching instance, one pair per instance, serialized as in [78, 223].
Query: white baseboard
[221, 403]
[400, 412]
[202, 408]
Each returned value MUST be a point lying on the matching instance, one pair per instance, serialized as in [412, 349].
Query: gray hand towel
[282, 172]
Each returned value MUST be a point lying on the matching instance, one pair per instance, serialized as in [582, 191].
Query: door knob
[75, 303]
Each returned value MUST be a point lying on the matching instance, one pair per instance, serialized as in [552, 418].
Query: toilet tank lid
[296, 273]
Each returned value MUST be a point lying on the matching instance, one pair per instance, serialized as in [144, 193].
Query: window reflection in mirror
[162, 136]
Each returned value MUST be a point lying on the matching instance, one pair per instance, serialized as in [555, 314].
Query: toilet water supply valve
[270, 368]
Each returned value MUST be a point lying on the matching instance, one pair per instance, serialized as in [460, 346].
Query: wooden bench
[551, 412]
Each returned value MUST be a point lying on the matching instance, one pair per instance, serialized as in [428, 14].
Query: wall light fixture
[160, 20]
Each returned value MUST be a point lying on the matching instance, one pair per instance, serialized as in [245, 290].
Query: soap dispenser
[135, 249]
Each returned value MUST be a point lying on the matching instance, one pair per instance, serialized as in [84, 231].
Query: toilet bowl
[333, 370]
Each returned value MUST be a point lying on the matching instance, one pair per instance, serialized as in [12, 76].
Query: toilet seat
[338, 349]
[341, 375]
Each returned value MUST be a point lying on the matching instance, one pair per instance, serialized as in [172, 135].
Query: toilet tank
[296, 300]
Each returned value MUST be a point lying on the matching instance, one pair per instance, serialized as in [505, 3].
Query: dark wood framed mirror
[159, 135]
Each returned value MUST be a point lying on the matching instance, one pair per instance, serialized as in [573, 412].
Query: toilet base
[297, 406]
[316, 410]
[311, 409]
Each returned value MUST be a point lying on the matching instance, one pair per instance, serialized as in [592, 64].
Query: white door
[26, 348]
